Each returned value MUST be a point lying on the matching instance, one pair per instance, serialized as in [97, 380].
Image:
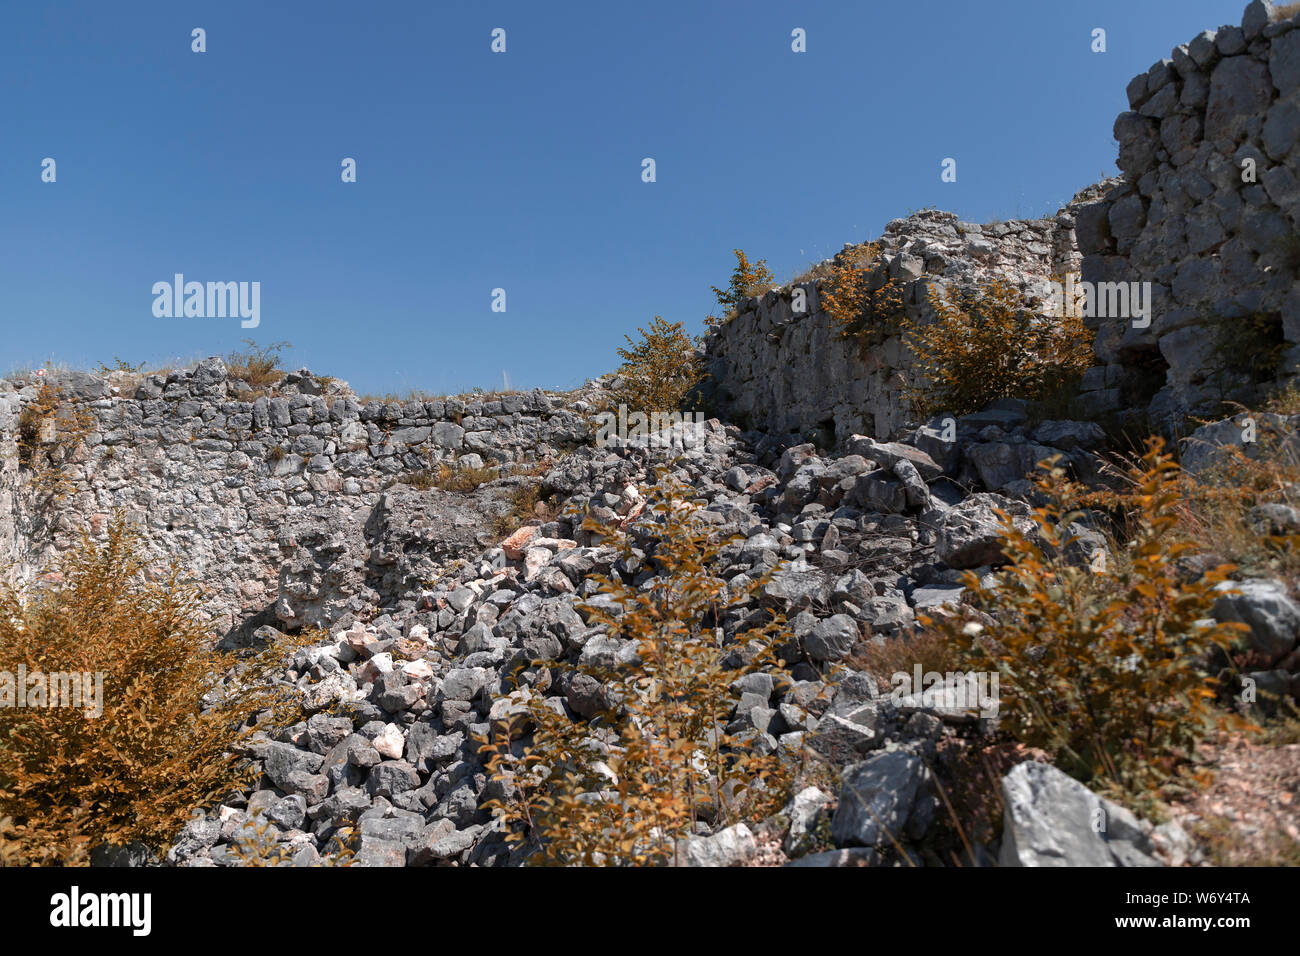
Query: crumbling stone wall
[276, 505]
[777, 371]
[1207, 212]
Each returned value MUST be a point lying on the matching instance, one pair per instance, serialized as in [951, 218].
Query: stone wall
[783, 372]
[273, 503]
[1207, 213]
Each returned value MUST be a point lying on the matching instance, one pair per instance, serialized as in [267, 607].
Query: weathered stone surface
[1264, 605]
[733, 846]
[1053, 820]
[970, 535]
[789, 371]
[877, 799]
[832, 639]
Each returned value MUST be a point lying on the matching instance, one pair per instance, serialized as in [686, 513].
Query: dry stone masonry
[1207, 212]
[276, 504]
[289, 509]
[788, 372]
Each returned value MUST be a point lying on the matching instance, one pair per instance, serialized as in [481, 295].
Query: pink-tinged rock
[630, 498]
[553, 544]
[633, 514]
[419, 633]
[555, 579]
[534, 560]
[514, 545]
[418, 670]
[408, 649]
[360, 641]
[371, 669]
[390, 743]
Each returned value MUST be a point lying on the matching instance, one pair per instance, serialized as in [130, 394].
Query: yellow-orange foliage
[747, 280]
[1101, 662]
[658, 371]
[623, 787]
[985, 345]
[865, 303]
[163, 743]
[51, 429]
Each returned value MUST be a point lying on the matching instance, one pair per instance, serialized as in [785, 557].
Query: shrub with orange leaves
[984, 344]
[1102, 662]
[171, 710]
[861, 298]
[659, 371]
[51, 431]
[622, 787]
[747, 280]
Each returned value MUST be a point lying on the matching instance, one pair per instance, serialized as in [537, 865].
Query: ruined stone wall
[781, 372]
[1207, 213]
[275, 504]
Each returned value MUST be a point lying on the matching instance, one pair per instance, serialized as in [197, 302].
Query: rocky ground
[858, 543]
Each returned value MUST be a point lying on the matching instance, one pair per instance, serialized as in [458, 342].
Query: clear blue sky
[519, 170]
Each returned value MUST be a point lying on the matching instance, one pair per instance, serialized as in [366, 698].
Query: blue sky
[519, 170]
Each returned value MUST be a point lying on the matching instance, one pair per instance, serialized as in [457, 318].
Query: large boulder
[733, 846]
[1053, 820]
[1265, 606]
[1001, 463]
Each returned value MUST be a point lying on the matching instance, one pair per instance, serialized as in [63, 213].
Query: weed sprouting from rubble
[1102, 652]
[655, 758]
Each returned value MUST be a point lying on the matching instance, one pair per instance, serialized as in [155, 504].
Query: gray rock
[888, 454]
[733, 846]
[1240, 88]
[1067, 435]
[1255, 18]
[283, 759]
[850, 856]
[847, 736]
[792, 589]
[1052, 820]
[1001, 463]
[878, 491]
[289, 813]
[970, 534]
[391, 777]
[832, 639]
[385, 841]
[805, 811]
[442, 841]
[877, 798]
[1273, 617]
